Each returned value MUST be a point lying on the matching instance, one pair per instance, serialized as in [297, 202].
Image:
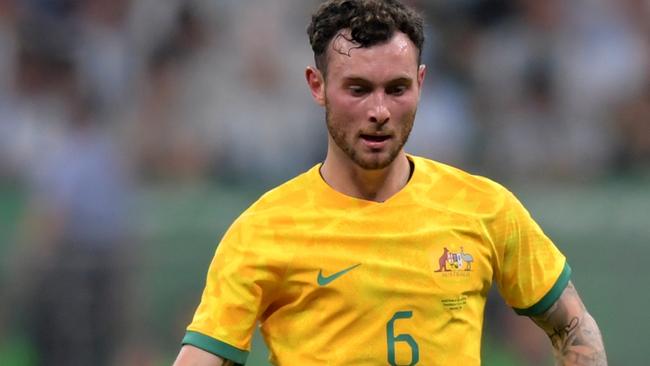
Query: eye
[358, 90]
[396, 90]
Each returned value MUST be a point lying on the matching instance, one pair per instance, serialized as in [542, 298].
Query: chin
[374, 161]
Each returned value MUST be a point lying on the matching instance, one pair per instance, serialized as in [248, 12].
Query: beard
[346, 140]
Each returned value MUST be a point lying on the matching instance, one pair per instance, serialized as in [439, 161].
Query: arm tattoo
[573, 332]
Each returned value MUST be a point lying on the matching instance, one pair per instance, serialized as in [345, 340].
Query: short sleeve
[530, 271]
[238, 287]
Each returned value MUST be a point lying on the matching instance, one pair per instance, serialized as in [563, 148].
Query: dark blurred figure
[8, 19]
[103, 50]
[169, 145]
[634, 133]
[78, 229]
[546, 79]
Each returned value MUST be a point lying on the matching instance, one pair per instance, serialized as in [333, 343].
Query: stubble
[376, 161]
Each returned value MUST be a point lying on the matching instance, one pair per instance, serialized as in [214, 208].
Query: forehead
[397, 57]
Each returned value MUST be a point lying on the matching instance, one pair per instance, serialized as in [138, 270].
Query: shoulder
[458, 189]
[272, 213]
[284, 199]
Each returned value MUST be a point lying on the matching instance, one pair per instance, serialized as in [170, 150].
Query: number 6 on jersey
[391, 339]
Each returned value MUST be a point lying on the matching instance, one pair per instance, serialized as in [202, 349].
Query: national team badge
[455, 262]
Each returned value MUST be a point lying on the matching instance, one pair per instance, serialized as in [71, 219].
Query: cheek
[345, 107]
[339, 98]
[404, 108]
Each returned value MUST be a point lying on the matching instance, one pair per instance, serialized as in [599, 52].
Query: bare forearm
[579, 343]
[573, 332]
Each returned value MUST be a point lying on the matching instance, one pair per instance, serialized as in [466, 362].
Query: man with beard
[376, 256]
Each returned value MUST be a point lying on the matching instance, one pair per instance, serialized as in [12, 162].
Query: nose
[378, 111]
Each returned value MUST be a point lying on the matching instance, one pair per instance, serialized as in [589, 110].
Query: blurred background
[132, 132]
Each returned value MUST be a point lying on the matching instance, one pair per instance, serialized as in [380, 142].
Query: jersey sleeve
[238, 287]
[531, 272]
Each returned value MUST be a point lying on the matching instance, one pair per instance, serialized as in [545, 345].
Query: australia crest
[455, 261]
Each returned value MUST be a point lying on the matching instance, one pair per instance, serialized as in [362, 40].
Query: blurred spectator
[258, 109]
[547, 79]
[169, 142]
[103, 50]
[32, 110]
[8, 19]
[633, 125]
[77, 228]
[514, 67]
[445, 127]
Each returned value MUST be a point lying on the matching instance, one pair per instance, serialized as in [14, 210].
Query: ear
[422, 72]
[316, 84]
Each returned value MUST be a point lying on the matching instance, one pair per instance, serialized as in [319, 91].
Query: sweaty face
[371, 96]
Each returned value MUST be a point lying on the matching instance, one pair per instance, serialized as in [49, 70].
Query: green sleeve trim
[551, 297]
[215, 347]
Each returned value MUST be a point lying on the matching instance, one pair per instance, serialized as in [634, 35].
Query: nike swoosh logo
[325, 280]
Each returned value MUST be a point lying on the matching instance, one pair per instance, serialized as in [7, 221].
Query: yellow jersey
[337, 280]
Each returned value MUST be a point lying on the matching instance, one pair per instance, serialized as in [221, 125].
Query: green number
[391, 339]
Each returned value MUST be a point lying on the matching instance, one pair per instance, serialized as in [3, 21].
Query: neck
[378, 185]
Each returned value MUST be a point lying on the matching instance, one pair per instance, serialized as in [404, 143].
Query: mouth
[375, 141]
[375, 138]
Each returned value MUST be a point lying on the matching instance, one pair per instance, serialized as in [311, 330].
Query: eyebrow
[398, 80]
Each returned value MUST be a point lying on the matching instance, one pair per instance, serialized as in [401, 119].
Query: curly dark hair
[370, 22]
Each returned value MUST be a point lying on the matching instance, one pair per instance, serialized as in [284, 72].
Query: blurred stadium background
[132, 132]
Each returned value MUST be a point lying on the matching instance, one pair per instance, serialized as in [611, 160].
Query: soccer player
[375, 256]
